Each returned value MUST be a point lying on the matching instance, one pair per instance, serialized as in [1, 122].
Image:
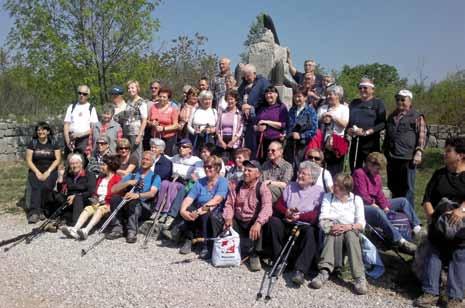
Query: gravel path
[51, 273]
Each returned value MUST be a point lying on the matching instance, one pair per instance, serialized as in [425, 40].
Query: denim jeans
[403, 205]
[376, 217]
[455, 276]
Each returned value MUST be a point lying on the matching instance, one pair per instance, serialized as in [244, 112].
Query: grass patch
[12, 182]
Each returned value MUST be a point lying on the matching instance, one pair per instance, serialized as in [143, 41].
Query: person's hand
[45, 175]
[456, 216]
[254, 233]
[295, 136]
[222, 144]
[39, 175]
[338, 229]
[131, 196]
[375, 206]
[246, 108]
[197, 130]
[231, 143]
[159, 128]
[417, 158]
[138, 140]
[386, 210]
[359, 132]
[131, 182]
[261, 128]
[351, 132]
[70, 199]
[227, 223]
[203, 210]
[190, 216]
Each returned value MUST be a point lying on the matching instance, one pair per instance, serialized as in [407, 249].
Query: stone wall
[14, 137]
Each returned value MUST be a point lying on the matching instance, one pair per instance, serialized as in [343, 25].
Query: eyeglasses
[83, 93]
[185, 146]
[315, 158]
[154, 88]
[208, 166]
[101, 143]
[400, 99]
[363, 88]
[272, 150]
[123, 148]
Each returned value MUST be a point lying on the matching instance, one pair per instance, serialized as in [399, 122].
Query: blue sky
[412, 35]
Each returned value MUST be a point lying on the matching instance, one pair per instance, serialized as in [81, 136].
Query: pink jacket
[370, 188]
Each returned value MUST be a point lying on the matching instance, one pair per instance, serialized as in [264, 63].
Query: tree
[256, 30]
[80, 41]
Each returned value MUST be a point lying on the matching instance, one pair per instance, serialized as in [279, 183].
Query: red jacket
[114, 180]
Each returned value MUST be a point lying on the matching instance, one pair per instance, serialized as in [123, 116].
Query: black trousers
[248, 247]
[207, 225]
[365, 147]
[334, 164]
[38, 189]
[128, 216]
[305, 248]
[53, 200]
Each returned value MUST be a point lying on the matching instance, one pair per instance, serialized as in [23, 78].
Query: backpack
[257, 191]
[73, 105]
[401, 222]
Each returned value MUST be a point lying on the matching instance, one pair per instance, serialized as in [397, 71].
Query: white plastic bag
[226, 250]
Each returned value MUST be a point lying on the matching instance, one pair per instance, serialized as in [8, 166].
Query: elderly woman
[333, 118]
[78, 185]
[368, 184]
[447, 182]
[162, 166]
[163, 118]
[100, 205]
[135, 118]
[42, 157]
[270, 122]
[201, 203]
[229, 127]
[109, 127]
[103, 149]
[202, 122]
[300, 202]
[367, 119]
[325, 179]
[341, 219]
[129, 160]
[189, 105]
[301, 129]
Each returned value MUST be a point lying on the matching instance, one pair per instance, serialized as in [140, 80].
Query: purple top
[277, 113]
[305, 200]
[227, 123]
[370, 188]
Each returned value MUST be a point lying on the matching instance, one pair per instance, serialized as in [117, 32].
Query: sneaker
[42, 216]
[174, 234]
[51, 227]
[298, 278]
[204, 253]
[145, 227]
[131, 237]
[168, 222]
[255, 264]
[320, 279]
[186, 247]
[33, 218]
[113, 235]
[162, 219]
[83, 234]
[407, 247]
[361, 286]
[426, 300]
[70, 232]
[455, 303]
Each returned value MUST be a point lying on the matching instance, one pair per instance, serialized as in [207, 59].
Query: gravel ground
[50, 272]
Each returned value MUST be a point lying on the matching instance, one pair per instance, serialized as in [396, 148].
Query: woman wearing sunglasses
[325, 179]
[129, 162]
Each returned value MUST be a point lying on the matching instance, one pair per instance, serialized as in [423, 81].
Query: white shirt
[327, 177]
[184, 167]
[350, 212]
[102, 190]
[120, 108]
[81, 118]
[201, 118]
[341, 113]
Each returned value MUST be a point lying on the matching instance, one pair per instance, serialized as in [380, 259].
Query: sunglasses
[123, 148]
[83, 93]
[101, 143]
[400, 99]
[315, 158]
[363, 88]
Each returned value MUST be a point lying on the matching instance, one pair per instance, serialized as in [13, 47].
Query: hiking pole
[356, 151]
[346, 159]
[384, 241]
[105, 224]
[28, 237]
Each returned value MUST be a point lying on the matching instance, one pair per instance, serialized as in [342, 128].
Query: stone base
[285, 94]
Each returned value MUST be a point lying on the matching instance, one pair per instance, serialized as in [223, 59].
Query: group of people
[238, 157]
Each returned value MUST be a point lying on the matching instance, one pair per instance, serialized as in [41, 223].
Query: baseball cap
[185, 141]
[405, 93]
[116, 90]
[251, 164]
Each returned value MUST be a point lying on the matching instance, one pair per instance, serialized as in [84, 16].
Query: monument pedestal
[285, 94]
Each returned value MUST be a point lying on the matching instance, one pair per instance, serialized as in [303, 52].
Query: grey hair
[314, 169]
[338, 90]
[249, 68]
[107, 108]
[204, 95]
[158, 143]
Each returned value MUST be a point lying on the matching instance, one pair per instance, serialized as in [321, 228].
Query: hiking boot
[455, 303]
[168, 222]
[131, 238]
[186, 247]
[254, 263]
[70, 232]
[172, 234]
[360, 286]
[204, 253]
[298, 278]
[145, 227]
[113, 235]
[320, 279]
[42, 216]
[407, 248]
[426, 300]
[83, 234]
[51, 227]
[33, 218]
[162, 219]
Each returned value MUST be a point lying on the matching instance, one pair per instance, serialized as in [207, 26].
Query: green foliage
[255, 31]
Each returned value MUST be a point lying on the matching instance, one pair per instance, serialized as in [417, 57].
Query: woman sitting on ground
[42, 158]
[325, 179]
[100, 205]
[341, 219]
[129, 161]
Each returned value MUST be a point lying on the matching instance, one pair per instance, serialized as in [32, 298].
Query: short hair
[112, 161]
[123, 143]
[42, 125]
[314, 168]
[376, 158]
[344, 181]
[204, 78]
[135, 82]
[75, 156]
[148, 153]
[246, 152]
[206, 94]
[338, 90]
[186, 88]
[309, 61]
[250, 68]
[232, 93]
[156, 81]
[458, 143]
[279, 144]
[210, 147]
[215, 161]
[300, 90]
[108, 108]
[84, 86]
[158, 143]
[192, 91]
[166, 90]
[229, 76]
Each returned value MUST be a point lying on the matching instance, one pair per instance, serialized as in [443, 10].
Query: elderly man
[404, 143]
[300, 202]
[309, 68]
[218, 84]
[80, 119]
[367, 118]
[251, 94]
[147, 185]
[276, 172]
[247, 209]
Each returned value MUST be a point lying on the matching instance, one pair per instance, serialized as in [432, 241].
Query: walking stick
[105, 225]
[346, 159]
[260, 146]
[356, 151]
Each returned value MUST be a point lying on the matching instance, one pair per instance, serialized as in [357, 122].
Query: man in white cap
[367, 119]
[404, 144]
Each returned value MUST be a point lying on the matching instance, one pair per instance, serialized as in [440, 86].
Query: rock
[432, 141]
[285, 94]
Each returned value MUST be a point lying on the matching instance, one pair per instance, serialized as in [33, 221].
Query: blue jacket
[164, 168]
[306, 123]
[256, 93]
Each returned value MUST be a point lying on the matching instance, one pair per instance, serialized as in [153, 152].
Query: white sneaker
[83, 234]
[70, 232]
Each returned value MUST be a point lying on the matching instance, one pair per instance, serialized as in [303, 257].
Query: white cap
[366, 82]
[405, 93]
